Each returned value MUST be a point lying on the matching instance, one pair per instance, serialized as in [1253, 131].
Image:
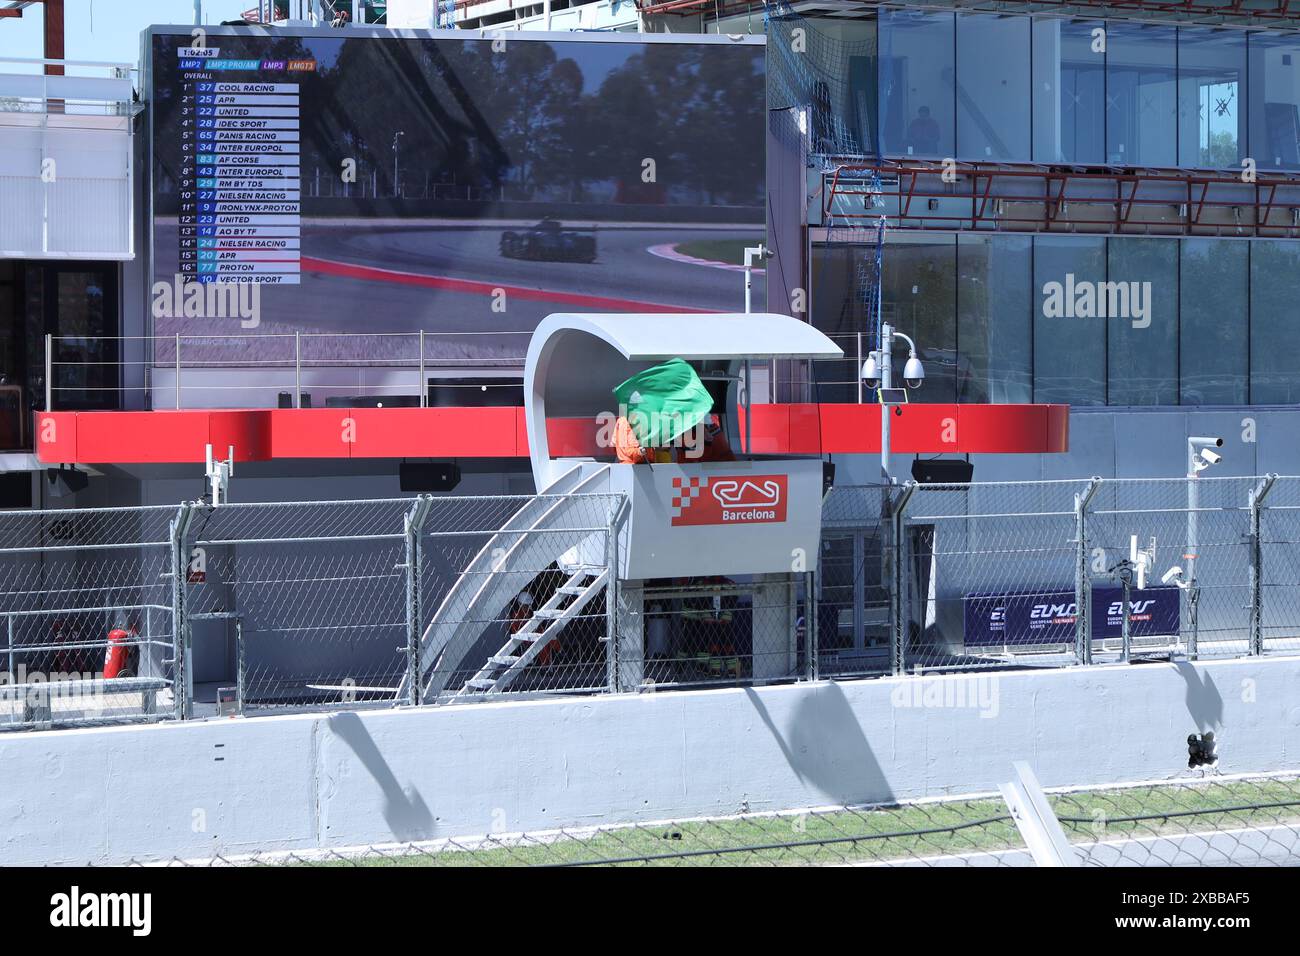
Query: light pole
[760, 253]
[396, 137]
[1200, 455]
[878, 373]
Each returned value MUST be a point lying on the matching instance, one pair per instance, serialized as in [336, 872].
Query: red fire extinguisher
[117, 662]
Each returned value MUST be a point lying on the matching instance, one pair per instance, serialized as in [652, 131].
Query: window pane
[993, 87]
[1140, 299]
[994, 305]
[1069, 348]
[1274, 94]
[1211, 107]
[920, 300]
[916, 74]
[838, 272]
[1213, 321]
[1141, 95]
[1274, 331]
[1069, 92]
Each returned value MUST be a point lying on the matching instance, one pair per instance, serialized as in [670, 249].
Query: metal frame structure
[1216, 11]
[930, 195]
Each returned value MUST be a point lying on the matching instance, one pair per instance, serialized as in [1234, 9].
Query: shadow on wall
[405, 812]
[826, 748]
[1204, 702]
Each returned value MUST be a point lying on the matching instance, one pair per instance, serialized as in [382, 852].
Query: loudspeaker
[428, 475]
[66, 481]
[943, 471]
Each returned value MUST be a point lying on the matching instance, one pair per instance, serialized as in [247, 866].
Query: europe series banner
[1047, 617]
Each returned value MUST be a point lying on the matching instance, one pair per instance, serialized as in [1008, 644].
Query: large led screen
[368, 182]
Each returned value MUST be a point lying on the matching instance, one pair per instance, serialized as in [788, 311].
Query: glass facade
[1141, 94]
[1069, 340]
[1080, 320]
[1273, 100]
[1211, 117]
[1069, 97]
[917, 66]
[983, 87]
[1087, 320]
[992, 91]
[1142, 325]
[994, 326]
[1213, 314]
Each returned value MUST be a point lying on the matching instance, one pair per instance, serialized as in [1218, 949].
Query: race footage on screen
[451, 185]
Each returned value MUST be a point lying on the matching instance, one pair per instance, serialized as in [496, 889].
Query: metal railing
[81, 87]
[1015, 574]
[252, 608]
[261, 370]
[69, 580]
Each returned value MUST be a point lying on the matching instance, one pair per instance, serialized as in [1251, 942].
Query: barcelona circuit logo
[728, 499]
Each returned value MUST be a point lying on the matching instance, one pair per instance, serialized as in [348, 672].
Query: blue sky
[109, 30]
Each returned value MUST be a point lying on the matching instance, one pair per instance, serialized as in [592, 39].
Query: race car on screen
[550, 242]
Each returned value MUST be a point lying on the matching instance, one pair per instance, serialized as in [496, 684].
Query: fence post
[241, 682]
[810, 625]
[413, 522]
[182, 674]
[49, 372]
[895, 555]
[1082, 580]
[1255, 498]
[423, 385]
[615, 526]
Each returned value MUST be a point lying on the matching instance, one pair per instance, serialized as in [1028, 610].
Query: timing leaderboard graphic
[240, 189]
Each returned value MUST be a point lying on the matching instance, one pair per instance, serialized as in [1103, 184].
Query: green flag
[663, 402]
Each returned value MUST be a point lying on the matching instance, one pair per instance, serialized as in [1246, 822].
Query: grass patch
[885, 833]
[730, 251]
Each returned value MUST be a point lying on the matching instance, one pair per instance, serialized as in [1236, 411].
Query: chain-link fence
[294, 604]
[85, 594]
[193, 610]
[1014, 574]
[1210, 821]
[1194, 821]
[408, 600]
[514, 596]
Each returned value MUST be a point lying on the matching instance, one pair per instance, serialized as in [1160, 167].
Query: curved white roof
[726, 335]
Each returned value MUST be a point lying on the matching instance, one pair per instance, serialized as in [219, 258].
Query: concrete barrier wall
[306, 781]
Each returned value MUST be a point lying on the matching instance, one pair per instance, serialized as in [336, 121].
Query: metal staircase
[543, 530]
[523, 647]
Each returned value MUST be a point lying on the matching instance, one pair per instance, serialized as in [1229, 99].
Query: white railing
[66, 169]
[264, 370]
[86, 87]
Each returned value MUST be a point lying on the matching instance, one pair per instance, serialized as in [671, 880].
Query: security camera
[913, 372]
[871, 371]
[1173, 574]
[1213, 457]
